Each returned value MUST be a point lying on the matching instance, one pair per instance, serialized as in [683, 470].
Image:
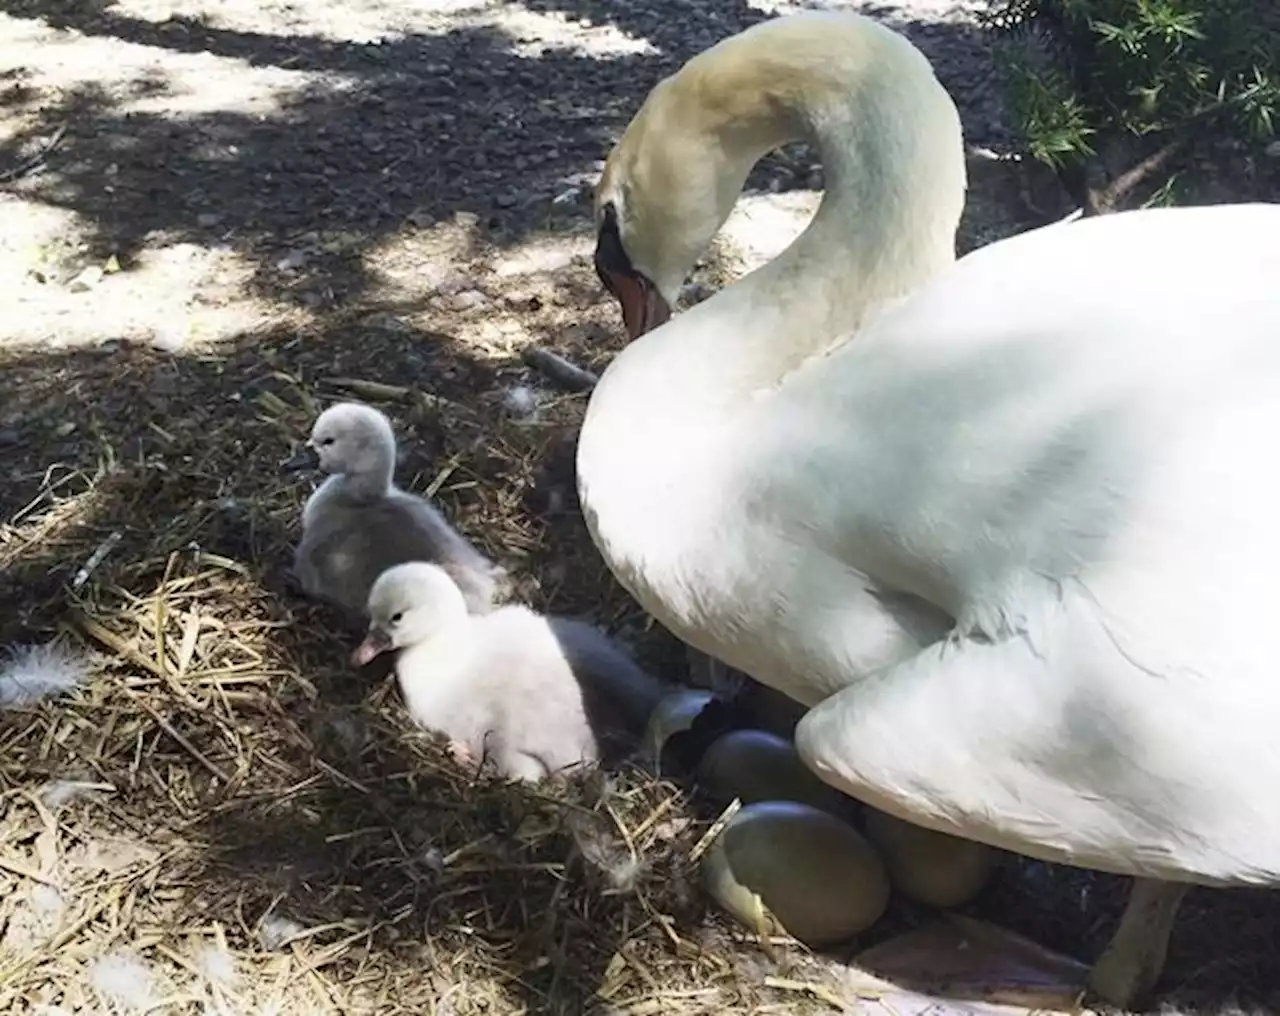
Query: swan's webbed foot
[1134, 959]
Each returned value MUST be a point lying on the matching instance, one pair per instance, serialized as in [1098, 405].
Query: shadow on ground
[375, 135]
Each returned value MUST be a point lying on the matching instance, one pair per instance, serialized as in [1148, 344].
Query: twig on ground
[558, 369]
[95, 559]
[35, 161]
[1104, 200]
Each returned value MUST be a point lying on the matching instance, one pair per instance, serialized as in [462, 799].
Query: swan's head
[408, 604]
[348, 438]
[863, 94]
[667, 187]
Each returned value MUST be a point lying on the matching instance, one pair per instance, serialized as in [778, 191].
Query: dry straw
[225, 819]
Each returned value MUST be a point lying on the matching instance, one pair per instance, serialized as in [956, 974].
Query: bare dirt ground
[214, 218]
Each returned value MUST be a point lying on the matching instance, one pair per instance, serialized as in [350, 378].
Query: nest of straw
[228, 811]
[232, 814]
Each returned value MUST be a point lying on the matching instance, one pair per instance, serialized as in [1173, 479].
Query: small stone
[433, 858]
[8, 436]
[172, 338]
[507, 200]
[292, 261]
[520, 299]
[695, 292]
[86, 280]
[468, 299]
[205, 220]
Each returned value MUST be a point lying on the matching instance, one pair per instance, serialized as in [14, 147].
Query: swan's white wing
[1068, 444]
[988, 742]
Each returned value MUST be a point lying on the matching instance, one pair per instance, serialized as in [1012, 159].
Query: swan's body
[1007, 524]
[535, 694]
[1088, 501]
[358, 523]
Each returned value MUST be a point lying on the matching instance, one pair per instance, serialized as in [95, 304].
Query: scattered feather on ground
[29, 673]
[124, 980]
[217, 964]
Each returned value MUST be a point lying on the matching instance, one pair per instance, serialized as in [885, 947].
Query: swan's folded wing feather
[1063, 751]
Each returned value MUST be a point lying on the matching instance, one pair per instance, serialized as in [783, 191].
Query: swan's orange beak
[643, 307]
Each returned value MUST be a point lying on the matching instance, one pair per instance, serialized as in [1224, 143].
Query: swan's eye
[397, 617]
[611, 257]
[326, 442]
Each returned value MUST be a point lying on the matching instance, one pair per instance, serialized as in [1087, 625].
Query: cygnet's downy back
[358, 523]
[534, 694]
[618, 693]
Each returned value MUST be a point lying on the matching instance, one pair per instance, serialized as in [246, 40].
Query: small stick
[36, 161]
[96, 558]
[654, 815]
[367, 389]
[717, 827]
[167, 727]
[1100, 201]
[807, 988]
[558, 369]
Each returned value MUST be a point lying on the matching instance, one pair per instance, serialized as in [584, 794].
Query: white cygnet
[358, 523]
[534, 694]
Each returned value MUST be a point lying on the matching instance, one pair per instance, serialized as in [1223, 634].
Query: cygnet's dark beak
[305, 457]
[376, 642]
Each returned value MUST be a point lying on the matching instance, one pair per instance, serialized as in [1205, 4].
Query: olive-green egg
[927, 866]
[755, 765]
[672, 715]
[786, 866]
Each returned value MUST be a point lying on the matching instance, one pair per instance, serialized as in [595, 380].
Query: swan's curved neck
[892, 153]
[893, 160]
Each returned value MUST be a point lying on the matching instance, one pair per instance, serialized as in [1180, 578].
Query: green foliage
[1080, 68]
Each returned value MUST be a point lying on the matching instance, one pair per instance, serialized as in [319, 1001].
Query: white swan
[1007, 524]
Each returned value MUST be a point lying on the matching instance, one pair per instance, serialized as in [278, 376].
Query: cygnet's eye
[397, 617]
[325, 442]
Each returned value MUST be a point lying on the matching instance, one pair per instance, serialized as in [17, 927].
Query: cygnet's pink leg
[460, 753]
